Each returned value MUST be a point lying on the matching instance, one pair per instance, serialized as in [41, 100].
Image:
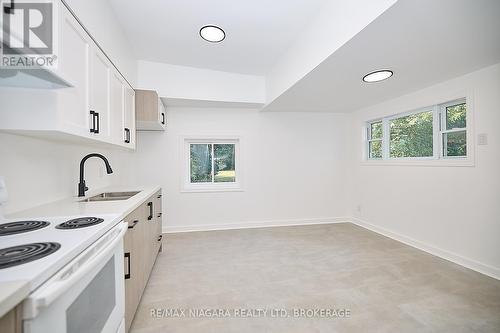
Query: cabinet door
[149, 235]
[131, 279]
[11, 322]
[100, 73]
[129, 116]
[74, 64]
[149, 110]
[134, 263]
[117, 109]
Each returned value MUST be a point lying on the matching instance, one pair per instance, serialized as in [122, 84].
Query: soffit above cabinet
[197, 103]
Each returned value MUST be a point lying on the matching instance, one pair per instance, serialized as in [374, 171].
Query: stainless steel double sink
[111, 196]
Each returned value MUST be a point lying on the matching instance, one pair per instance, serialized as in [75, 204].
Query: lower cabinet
[11, 322]
[142, 243]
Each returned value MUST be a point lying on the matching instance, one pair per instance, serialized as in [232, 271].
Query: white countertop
[73, 206]
[13, 292]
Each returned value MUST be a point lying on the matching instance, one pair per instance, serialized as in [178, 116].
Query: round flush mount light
[377, 76]
[212, 34]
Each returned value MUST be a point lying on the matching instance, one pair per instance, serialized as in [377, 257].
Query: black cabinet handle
[127, 256]
[92, 114]
[9, 10]
[150, 205]
[163, 118]
[133, 224]
[95, 122]
[159, 214]
[97, 116]
[160, 237]
[159, 196]
[127, 135]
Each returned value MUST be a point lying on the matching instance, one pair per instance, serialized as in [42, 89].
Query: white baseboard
[255, 224]
[455, 258]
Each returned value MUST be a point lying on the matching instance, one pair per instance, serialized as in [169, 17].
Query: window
[436, 132]
[375, 140]
[453, 129]
[212, 164]
[411, 136]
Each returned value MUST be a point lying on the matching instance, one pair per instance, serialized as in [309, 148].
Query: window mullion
[213, 163]
[368, 138]
[385, 138]
[436, 132]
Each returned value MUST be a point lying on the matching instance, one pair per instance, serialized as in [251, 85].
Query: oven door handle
[73, 272]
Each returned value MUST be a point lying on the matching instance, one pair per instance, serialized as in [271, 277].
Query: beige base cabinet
[11, 322]
[142, 243]
[149, 111]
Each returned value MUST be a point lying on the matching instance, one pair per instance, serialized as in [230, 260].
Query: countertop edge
[73, 206]
[136, 200]
[11, 294]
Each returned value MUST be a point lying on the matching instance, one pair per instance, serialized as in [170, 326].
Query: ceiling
[424, 42]
[258, 32]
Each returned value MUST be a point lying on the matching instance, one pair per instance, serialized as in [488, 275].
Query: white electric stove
[75, 268]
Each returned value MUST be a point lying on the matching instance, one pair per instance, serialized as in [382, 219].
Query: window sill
[211, 188]
[421, 162]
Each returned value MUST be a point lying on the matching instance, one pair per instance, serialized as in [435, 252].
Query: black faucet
[81, 185]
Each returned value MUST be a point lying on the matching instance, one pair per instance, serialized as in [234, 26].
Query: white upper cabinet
[99, 106]
[117, 115]
[74, 63]
[100, 95]
[122, 114]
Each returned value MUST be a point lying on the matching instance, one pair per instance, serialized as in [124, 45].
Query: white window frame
[443, 130]
[439, 119]
[369, 138]
[188, 186]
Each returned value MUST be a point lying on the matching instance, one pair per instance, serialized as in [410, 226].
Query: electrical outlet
[100, 171]
[482, 139]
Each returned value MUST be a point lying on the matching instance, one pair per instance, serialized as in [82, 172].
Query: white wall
[294, 168]
[451, 211]
[40, 171]
[337, 22]
[194, 83]
[99, 18]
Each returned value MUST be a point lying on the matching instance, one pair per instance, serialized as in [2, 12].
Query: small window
[411, 136]
[453, 129]
[212, 164]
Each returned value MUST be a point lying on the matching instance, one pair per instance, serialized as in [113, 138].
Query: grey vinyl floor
[320, 278]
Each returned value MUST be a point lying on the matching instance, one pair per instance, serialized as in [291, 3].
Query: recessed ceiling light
[212, 33]
[377, 76]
